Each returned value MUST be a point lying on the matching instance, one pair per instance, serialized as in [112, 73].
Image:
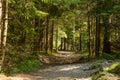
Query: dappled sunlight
[69, 68]
[112, 66]
[59, 39]
[17, 77]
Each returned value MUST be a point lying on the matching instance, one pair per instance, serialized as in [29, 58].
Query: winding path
[63, 72]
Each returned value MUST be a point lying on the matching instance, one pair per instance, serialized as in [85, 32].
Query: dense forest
[30, 28]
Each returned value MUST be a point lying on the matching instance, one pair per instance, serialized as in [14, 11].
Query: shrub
[18, 60]
[27, 65]
[108, 56]
[114, 68]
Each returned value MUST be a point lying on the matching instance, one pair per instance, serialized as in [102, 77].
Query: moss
[96, 76]
[115, 68]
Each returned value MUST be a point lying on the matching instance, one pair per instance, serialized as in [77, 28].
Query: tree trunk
[89, 35]
[46, 47]
[51, 39]
[56, 41]
[0, 32]
[80, 40]
[90, 44]
[106, 45]
[4, 29]
[0, 20]
[97, 42]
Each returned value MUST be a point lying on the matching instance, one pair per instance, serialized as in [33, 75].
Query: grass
[18, 61]
[48, 53]
[108, 56]
[27, 65]
[24, 65]
[114, 68]
[85, 52]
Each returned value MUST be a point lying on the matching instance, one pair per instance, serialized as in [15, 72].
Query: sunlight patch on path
[69, 68]
[3, 77]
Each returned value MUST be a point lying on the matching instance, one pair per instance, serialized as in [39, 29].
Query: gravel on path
[82, 71]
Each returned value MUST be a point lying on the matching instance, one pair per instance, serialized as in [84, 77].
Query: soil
[77, 71]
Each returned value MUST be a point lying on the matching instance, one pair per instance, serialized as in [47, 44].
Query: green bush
[83, 52]
[114, 68]
[117, 55]
[18, 60]
[27, 65]
[108, 56]
[96, 76]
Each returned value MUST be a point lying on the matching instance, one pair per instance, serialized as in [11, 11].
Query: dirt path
[64, 72]
[63, 57]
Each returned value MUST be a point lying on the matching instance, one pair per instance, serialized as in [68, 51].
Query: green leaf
[41, 14]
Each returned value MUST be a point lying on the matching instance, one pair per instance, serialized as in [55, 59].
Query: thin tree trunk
[4, 29]
[0, 19]
[80, 40]
[0, 32]
[90, 46]
[56, 41]
[97, 42]
[46, 47]
[51, 40]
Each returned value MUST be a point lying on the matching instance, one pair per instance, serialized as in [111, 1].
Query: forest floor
[76, 71]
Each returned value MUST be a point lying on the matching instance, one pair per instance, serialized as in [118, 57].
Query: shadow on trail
[81, 71]
[65, 72]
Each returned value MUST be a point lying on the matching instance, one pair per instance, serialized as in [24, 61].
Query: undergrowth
[26, 65]
[114, 68]
[84, 52]
[108, 56]
[20, 61]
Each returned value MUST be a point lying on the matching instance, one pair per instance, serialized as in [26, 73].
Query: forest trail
[63, 57]
[81, 71]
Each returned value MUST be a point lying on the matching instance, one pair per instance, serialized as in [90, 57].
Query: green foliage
[26, 9]
[114, 68]
[117, 54]
[99, 75]
[23, 64]
[97, 64]
[95, 76]
[108, 56]
[40, 14]
[26, 65]
[20, 60]
[85, 52]
[49, 53]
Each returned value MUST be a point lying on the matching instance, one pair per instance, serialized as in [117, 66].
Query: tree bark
[51, 39]
[90, 38]
[80, 40]
[4, 29]
[106, 45]
[0, 20]
[97, 42]
[56, 41]
[0, 32]
[46, 47]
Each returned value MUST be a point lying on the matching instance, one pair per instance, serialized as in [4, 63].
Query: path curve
[64, 72]
[63, 57]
